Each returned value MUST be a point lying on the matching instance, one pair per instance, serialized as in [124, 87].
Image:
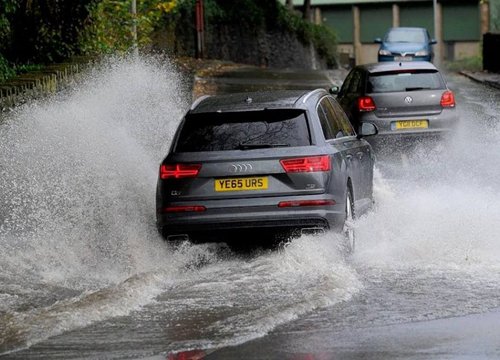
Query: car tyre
[348, 229]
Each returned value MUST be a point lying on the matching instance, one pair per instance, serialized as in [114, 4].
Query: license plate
[242, 183]
[412, 124]
[403, 58]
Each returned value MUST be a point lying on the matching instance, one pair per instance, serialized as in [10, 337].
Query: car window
[406, 35]
[239, 130]
[335, 124]
[346, 84]
[355, 84]
[325, 124]
[341, 118]
[405, 81]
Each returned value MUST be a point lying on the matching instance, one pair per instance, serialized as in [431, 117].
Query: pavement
[487, 78]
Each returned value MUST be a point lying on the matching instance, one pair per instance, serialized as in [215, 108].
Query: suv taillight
[366, 103]
[448, 99]
[178, 171]
[306, 164]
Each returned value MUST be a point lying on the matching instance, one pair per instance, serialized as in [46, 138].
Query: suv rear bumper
[246, 222]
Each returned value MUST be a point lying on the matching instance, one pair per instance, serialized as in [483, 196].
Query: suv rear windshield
[404, 81]
[243, 130]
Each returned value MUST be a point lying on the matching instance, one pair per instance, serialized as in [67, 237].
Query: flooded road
[83, 273]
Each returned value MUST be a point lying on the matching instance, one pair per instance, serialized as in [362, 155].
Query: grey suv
[250, 164]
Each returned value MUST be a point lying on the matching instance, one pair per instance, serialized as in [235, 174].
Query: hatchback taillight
[366, 103]
[448, 99]
[178, 171]
[306, 164]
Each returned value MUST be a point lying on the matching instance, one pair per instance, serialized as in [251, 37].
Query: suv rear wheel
[348, 229]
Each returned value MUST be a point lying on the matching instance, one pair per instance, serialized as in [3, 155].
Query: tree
[307, 10]
[45, 30]
[289, 4]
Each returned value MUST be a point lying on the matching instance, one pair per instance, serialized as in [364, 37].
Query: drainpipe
[200, 26]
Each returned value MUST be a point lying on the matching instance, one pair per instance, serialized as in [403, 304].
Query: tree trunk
[307, 10]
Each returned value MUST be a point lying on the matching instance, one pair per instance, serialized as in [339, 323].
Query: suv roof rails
[198, 101]
[311, 93]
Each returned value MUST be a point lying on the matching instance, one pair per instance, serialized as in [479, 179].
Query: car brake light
[366, 103]
[178, 209]
[297, 203]
[306, 164]
[448, 99]
[177, 171]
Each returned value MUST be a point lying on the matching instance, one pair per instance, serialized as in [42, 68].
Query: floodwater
[83, 273]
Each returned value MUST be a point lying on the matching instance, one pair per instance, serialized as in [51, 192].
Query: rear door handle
[348, 157]
[360, 155]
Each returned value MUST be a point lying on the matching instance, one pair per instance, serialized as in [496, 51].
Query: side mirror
[377, 41]
[433, 42]
[334, 90]
[367, 129]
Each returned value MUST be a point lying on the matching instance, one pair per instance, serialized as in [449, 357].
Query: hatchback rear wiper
[417, 88]
[248, 146]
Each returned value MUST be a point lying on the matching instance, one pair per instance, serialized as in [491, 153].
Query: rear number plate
[243, 183]
[403, 58]
[411, 124]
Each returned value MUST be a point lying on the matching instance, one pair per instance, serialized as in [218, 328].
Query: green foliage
[252, 15]
[7, 9]
[473, 63]
[6, 71]
[111, 24]
[40, 30]
[323, 37]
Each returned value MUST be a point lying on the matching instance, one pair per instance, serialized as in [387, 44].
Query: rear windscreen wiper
[248, 146]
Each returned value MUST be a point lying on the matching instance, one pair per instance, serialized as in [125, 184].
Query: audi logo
[238, 168]
[408, 100]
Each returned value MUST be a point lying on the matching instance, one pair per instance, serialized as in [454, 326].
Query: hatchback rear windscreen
[243, 130]
[405, 81]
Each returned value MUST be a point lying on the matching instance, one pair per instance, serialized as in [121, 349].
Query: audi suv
[244, 165]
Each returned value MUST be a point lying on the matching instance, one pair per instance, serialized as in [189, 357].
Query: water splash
[78, 174]
[439, 205]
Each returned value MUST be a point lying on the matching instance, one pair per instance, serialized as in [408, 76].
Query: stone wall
[267, 49]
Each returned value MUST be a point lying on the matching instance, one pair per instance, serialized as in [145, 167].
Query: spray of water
[439, 206]
[78, 175]
[77, 183]
[77, 235]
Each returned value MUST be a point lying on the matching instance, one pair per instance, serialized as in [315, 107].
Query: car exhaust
[312, 231]
[178, 237]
